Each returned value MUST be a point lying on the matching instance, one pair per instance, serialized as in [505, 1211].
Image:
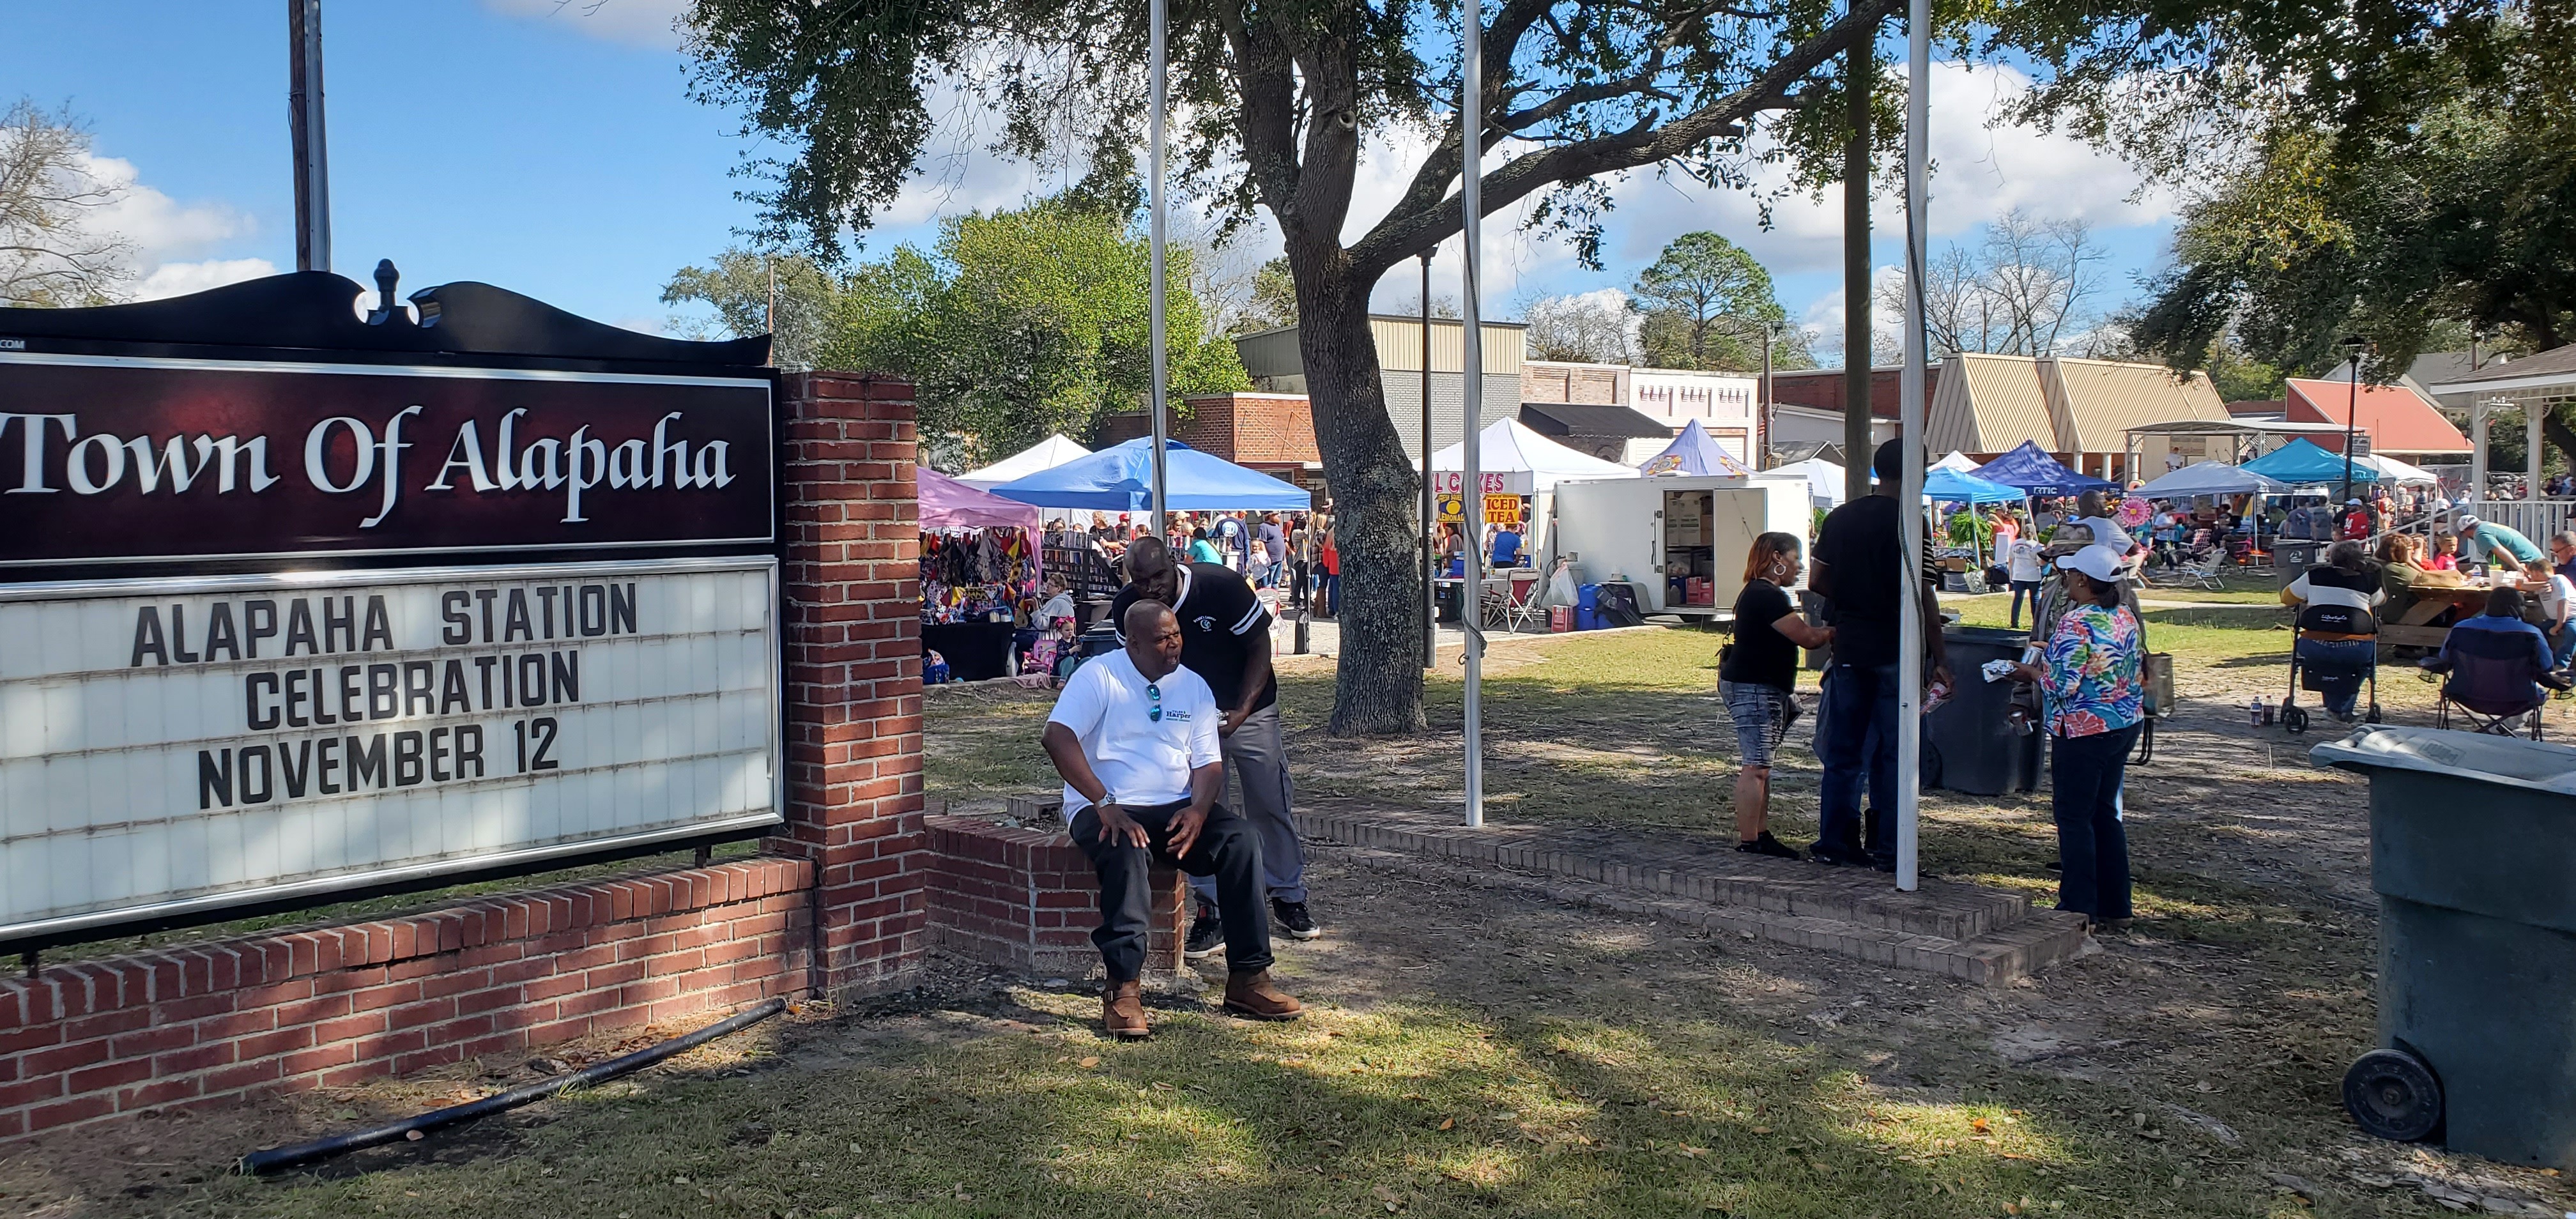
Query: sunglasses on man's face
[1155, 712]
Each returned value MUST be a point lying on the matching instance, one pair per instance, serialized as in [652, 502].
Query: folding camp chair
[2494, 683]
[1513, 606]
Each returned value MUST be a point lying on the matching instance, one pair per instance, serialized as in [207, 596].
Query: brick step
[1979, 935]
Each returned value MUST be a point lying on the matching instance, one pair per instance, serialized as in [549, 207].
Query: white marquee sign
[176, 745]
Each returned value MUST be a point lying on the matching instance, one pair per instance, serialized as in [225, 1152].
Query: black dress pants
[1226, 850]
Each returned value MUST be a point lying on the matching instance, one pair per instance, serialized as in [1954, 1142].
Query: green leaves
[1706, 303]
[1017, 324]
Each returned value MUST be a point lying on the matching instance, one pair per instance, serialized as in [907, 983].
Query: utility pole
[1857, 70]
[1761, 445]
[2352, 416]
[304, 117]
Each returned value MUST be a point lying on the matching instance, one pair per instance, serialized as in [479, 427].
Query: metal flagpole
[1430, 513]
[1160, 69]
[312, 160]
[1471, 486]
[1909, 676]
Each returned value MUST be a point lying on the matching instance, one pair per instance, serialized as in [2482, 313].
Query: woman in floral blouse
[2095, 704]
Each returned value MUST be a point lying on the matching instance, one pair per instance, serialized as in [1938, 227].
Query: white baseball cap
[2100, 562]
[2465, 523]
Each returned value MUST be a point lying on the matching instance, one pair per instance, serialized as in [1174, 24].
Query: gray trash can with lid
[2473, 854]
[1970, 745]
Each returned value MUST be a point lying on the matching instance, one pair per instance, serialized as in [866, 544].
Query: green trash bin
[2473, 854]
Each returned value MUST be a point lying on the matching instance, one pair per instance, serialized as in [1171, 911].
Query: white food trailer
[1661, 534]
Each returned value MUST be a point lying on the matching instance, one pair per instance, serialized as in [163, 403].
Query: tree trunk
[1377, 687]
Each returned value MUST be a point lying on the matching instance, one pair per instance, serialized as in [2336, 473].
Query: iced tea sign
[583, 657]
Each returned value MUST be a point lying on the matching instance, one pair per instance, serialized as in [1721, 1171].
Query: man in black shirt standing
[1225, 639]
[1859, 568]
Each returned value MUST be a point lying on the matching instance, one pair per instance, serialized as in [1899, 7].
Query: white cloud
[638, 23]
[159, 227]
[182, 278]
[1822, 321]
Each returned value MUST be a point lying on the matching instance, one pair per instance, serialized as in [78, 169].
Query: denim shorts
[1761, 716]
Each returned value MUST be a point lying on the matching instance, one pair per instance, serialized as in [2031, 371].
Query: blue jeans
[1332, 594]
[2338, 665]
[2021, 589]
[1856, 742]
[2562, 644]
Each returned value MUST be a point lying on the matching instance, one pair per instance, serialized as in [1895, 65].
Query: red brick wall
[89, 1040]
[1028, 899]
[1249, 429]
[1822, 389]
[852, 634]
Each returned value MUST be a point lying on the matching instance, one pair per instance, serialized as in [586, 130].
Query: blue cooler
[1587, 607]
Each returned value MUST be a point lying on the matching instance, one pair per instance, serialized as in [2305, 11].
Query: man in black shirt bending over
[1225, 639]
[1859, 567]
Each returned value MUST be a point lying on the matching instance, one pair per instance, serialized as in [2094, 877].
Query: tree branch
[1419, 223]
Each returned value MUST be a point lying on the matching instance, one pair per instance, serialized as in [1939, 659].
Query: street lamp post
[2352, 416]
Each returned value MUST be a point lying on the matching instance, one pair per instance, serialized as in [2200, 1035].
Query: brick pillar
[852, 634]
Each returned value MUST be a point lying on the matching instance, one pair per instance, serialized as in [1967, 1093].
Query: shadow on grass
[1413, 1108]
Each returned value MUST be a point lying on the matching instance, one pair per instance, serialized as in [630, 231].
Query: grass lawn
[1477, 1049]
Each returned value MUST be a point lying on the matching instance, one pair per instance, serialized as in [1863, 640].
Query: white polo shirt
[1142, 758]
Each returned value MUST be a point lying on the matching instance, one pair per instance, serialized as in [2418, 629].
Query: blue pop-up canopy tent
[2031, 468]
[1120, 478]
[2305, 464]
[1692, 452]
[1953, 487]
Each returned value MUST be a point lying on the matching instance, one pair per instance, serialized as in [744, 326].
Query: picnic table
[2415, 627]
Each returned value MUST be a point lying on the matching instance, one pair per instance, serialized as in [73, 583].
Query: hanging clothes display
[977, 575]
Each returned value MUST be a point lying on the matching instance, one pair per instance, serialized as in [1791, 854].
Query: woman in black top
[1756, 676]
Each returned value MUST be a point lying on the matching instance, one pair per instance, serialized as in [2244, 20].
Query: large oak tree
[1278, 101]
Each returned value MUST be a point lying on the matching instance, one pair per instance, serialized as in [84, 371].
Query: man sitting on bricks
[1135, 737]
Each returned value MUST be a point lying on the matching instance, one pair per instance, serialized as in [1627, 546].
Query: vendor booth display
[1120, 478]
[2211, 478]
[1692, 452]
[2303, 464]
[2033, 470]
[1530, 463]
[979, 576]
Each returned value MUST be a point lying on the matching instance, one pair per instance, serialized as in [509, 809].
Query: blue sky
[552, 149]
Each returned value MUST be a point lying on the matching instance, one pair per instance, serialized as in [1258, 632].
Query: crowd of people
[1171, 751]
[2084, 667]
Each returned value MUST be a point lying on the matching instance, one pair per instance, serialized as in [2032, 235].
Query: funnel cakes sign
[120, 459]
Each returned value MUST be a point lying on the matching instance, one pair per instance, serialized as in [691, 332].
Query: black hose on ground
[275, 1159]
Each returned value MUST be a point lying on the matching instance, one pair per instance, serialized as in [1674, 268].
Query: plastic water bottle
[2254, 711]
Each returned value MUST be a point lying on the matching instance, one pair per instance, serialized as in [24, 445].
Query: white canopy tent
[1824, 479]
[1531, 463]
[2395, 471]
[1955, 461]
[2210, 478]
[1046, 454]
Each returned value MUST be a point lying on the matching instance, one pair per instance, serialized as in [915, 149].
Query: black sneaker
[1767, 845]
[1293, 919]
[1824, 852]
[1207, 936]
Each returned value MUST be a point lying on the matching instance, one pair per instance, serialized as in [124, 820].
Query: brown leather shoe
[1250, 993]
[1122, 1010]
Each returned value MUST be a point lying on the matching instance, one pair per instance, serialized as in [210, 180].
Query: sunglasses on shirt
[1155, 712]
